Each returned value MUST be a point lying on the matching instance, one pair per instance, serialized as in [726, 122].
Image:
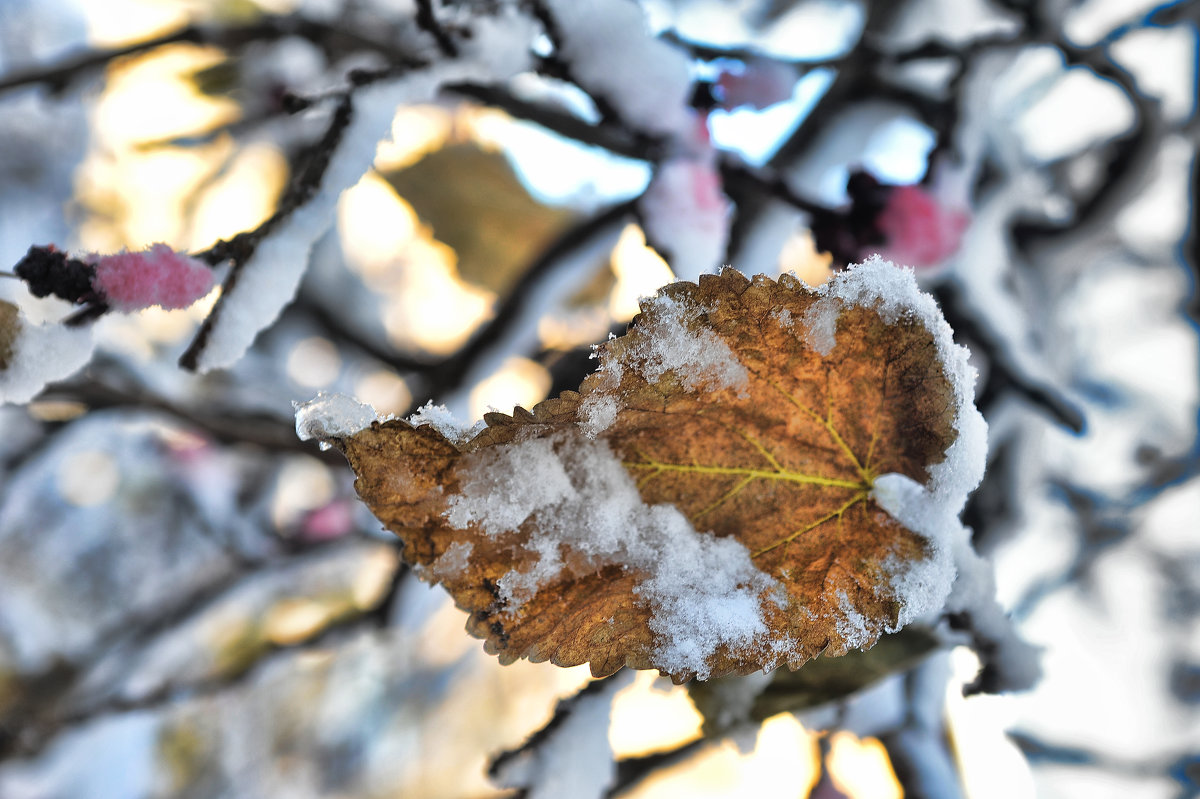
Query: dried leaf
[704, 505]
[10, 325]
[477, 205]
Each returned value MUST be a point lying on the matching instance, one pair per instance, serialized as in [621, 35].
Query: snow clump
[329, 416]
[611, 54]
[440, 418]
[699, 358]
[704, 591]
[668, 341]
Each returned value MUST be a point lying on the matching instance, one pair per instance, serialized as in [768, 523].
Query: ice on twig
[329, 416]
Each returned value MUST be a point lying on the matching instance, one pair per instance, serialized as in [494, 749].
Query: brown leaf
[10, 325]
[720, 412]
[476, 204]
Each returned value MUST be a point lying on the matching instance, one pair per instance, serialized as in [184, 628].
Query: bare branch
[59, 75]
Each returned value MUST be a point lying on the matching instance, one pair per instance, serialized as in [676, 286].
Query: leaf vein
[859, 497]
[740, 471]
[827, 423]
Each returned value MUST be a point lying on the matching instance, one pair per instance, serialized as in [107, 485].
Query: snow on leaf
[722, 520]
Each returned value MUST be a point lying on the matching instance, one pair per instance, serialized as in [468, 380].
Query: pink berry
[920, 232]
[130, 281]
[333, 520]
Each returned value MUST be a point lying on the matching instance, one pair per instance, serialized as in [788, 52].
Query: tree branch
[269, 28]
[449, 373]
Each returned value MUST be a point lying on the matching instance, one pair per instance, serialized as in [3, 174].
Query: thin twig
[557, 66]
[632, 770]
[1131, 154]
[448, 374]
[615, 139]
[40, 720]
[854, 81]
[241, 247]
[32, 739]
[60, 74]
[711, 52]
[737, 174]
[272, 433]
[1005, 375]
[428, 22]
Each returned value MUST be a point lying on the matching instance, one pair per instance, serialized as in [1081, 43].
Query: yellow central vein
[752, 474]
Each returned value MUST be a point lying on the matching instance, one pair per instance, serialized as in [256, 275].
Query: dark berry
[47, 271]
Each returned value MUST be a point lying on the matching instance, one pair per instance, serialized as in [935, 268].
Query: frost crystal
[599, 411]
[441, 419]
[851, 625]
[454, 561]
[505, 486]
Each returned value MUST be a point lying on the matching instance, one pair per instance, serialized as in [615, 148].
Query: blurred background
[194, 604]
